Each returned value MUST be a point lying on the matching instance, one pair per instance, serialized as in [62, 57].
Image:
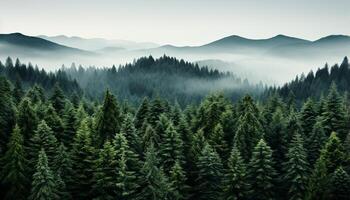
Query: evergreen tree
[54, 122]
[217, 140]
[333, 153]
[42, 139]
[83, 156]
[62, 165]
[142, 114]
[109, 118]
[178, 178]
[13, 173]
[236, 183]
[26, 119]
[261, 172]
[316, 142]
[18, 91]
[210, 180]
[69, 121]
[57, 99]
[155, 184]
[308, 117]
[297, 166]
[155, 111]
[7, 114]
[128, 129]
[171, 148]
[317, 182]
[105, 174]
[43, 185]
[339, 185]
[333, 115]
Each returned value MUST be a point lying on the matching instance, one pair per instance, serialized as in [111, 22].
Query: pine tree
[128, 129]
[171, 148]
[261, 172]
[142, 114]
[297, 166]
[109, 118]
[149, 136]
[26, 119]
[18, 91]
[61, 187]
[7, 114]
[178, 179]
[13, 173]
[54, 122]
[249, 129]
[316, 142]
[43, 185]
[42, 139]
[83, 156]
[333, 115]
[62, 165]
[155, 184]
[308, 117]
[339, 185]
[236, 183]
[69, 121]
[317, 182]
[210, 180]
[57, 99]
[333, 153]
[105, 174]
[218, 142]
[155, 111]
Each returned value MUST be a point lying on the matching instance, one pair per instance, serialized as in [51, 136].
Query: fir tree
[308, 117]
[83, 156]
[42, 139]
[142, 114]
[54, 122]
[18, 91]
[13, 173]
[333, 153]
[155, 184]
[296, 175]
[178, 178]
[43, 185]
[69, 121]
[261, 172]
[217, 140]
[339, 185]
[109, 118]
[210, 180]
[317, 182]
[105, 174]
[26, 119]
[57, 99]
[236, 183]
[316, 142]
[171, 148]
[128, 129]
[333, 115]
[62, 165]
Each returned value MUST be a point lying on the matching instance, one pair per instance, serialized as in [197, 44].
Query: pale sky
[178, 22]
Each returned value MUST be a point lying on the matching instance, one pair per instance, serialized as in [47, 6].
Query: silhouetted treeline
[315, 84]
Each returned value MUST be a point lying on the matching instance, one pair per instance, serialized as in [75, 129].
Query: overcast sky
[179, 22]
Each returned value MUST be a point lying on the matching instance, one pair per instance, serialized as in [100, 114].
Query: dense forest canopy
[54, 146]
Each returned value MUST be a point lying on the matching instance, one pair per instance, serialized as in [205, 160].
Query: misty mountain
[96, 44]
[17, 43]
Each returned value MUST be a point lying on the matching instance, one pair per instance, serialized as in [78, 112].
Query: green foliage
[236, 182]
[297, 168]
[57, 99]
[261, 172]
[43, 185]
[333, 153]
[109, 118]
[178, 179]
[13, 173]
[210, 179]
[315, 142]
[339, 185]
[83, 156]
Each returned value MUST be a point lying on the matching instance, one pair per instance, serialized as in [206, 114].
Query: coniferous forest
[133, 132]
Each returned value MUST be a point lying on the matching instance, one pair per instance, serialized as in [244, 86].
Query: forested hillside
[315, 84]
[167, 77]
[55, 148]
